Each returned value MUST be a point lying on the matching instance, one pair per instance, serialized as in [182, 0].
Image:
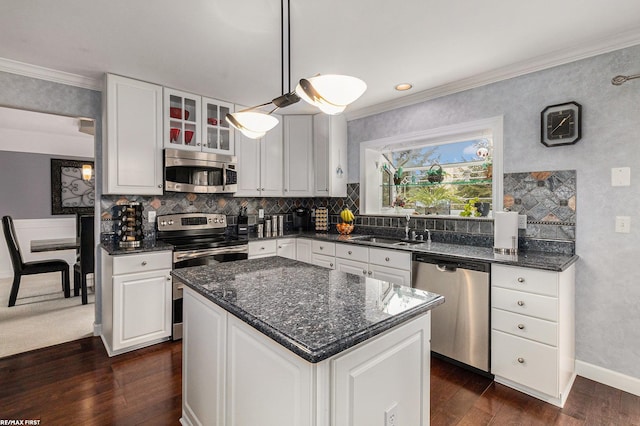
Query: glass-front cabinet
[217, 135]
[182, 129]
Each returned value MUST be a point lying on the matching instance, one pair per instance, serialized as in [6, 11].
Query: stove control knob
[215, 220]
[170, 222]
[163, 223]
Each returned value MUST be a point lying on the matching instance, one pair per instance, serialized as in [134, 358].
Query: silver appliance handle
[446, 268]
[180, 256]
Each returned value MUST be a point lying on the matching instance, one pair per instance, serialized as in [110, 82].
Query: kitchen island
[275, 341]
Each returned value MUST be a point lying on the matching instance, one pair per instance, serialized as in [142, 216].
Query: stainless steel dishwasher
[460, 326]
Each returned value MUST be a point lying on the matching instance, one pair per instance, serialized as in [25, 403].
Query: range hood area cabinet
[330, 155]
[260, 171]
[196, 123]
[132, 148]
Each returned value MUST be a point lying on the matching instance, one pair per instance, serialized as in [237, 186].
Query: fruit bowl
[344, 228]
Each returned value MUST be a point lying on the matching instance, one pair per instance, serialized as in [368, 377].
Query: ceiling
[230, 50]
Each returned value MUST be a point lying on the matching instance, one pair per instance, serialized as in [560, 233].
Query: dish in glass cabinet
[173, 134]
[212, 121]
[188, 135]
[177, 113]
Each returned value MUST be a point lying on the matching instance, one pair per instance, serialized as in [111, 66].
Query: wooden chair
[85, 264]
[21, 268]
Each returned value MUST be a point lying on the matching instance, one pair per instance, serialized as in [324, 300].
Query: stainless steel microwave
[199, 172]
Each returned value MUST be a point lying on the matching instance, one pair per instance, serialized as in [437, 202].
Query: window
[452, 171]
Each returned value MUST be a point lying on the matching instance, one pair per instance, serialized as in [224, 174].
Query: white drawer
[352, 252]
[535, 305]
[143, 262]
[526, 362]
[262, 248]
[525, 279]
[525, 326]
[390, 258]
[323, 260]
[323, 247]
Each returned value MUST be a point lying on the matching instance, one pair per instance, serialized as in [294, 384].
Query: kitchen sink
[390, 241]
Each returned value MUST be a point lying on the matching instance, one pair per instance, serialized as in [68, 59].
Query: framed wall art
[72, 187]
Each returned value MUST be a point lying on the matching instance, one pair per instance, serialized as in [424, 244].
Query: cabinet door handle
[279, 246]
[144, 263]
[520, 303]
[364, 272]
[261, 248]
[521, 326]
[331, 264]
[262, 189]
[321, 248]
[179, 287]
[159, 185]
[369, 272]
[257, 189]
[349, 252]
[386, 259]
[520, 280]
[521, 360]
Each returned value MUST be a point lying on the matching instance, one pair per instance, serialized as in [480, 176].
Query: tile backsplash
[548, 198]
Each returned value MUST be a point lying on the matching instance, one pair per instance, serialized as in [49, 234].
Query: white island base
[234, 375]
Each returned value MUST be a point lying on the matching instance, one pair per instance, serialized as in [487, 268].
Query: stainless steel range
[198, 239]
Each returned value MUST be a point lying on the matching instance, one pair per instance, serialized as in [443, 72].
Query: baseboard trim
[608, 377]
[97, 329]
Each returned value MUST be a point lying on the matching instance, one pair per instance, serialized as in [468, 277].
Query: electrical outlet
[151, 216]
[391, 415]
[260, 213]
[621, 176]
[522, 221]
[623, 224]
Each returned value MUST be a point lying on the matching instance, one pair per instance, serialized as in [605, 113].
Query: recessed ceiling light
[403, 86]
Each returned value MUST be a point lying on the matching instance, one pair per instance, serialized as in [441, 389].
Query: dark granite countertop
[531, 259]
[313, 311]
[147, 246]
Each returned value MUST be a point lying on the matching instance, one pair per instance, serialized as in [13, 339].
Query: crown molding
[48, 74]
[560, 57]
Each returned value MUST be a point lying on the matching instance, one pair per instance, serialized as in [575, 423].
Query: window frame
[371, 178]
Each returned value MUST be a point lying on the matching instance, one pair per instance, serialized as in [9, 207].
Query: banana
[347, 215]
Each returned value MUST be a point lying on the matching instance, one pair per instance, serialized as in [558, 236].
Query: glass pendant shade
[331, 93]
[252, 124]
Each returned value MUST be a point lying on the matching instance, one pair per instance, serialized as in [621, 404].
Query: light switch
[621, 176]
[623, 224]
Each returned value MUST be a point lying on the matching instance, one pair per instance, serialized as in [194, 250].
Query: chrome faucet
[406, 228]
[428, 235]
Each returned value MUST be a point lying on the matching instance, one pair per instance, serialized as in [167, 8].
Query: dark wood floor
[76, 383]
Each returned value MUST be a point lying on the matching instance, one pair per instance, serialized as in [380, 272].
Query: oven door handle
[180, 256]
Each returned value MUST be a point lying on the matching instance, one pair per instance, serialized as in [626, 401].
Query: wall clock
[561, 124]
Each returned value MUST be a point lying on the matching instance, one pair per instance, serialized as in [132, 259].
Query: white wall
[607, 287]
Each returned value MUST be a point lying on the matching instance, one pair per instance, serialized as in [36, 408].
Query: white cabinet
[286, 247]
[262, 248]
[233, 375]
[382, 264]
[217, 136]
[330, 155]
[323, 254]
[303, 250]
[136, 301]
[260, 164]
[182, 120]
[197, 123]
[132, 152]
[298, 156]
[532, 336]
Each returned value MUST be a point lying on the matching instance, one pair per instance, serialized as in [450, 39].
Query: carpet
[42, 316]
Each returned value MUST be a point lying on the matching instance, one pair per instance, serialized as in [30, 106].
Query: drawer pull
[321, 248]
[520, 280]
[279, 246]
[364, 272]
[520, 303]
[331, 264]
[521, 326]
[144, 263]
[349, 252]
[261, 248]
[369, 272]
[521, 360]
[179, 287]
[387, 259]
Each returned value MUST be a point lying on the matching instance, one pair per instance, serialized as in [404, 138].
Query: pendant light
[331, 93]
